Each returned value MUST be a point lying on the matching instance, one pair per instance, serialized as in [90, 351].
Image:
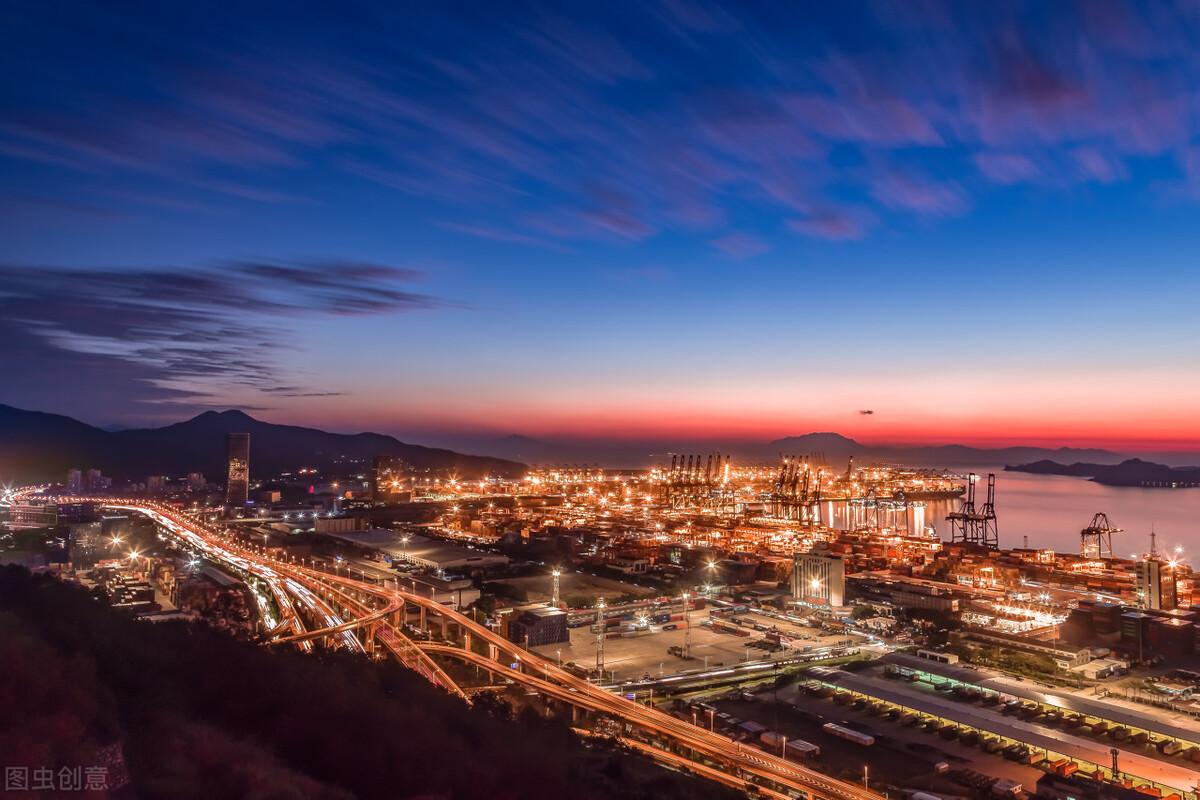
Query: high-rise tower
[237, 449]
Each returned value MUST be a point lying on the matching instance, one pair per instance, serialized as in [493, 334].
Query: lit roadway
[379, 612]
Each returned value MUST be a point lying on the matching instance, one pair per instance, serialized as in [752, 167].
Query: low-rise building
[533, 626]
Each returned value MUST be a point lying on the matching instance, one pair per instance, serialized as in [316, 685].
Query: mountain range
[35, 447]
[1131, 472]
[833, 447]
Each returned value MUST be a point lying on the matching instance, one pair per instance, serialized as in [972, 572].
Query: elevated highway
[378, 615]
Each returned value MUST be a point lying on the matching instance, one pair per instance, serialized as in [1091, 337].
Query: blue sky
[977, 220]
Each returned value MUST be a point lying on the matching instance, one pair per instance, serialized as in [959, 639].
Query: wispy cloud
[186, 334]
[544, 126]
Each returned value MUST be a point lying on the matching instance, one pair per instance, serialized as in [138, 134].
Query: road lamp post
[687, 629]
[600, 638]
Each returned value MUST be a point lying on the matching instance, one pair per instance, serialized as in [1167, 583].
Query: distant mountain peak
[818, 436]
[232, 414]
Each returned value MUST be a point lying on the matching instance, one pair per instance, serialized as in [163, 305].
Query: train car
[864, 739]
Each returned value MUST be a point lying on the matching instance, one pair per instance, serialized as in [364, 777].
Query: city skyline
[679, 399]
[690, 221]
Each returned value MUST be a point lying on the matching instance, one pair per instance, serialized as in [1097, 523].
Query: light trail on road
[533, 671]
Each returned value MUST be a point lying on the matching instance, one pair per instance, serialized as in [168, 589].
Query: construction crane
[1095, 541]
[797, 491]
[697, 482]
[976, 527]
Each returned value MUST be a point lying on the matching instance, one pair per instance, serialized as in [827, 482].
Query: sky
[913, 222]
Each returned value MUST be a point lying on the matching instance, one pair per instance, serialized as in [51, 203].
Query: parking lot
[539, 588]
[899, 756]
[646, 652]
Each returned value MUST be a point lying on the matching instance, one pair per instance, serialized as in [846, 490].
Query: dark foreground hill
[193, 714]
[37, 447]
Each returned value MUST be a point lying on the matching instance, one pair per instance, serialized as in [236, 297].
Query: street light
[687, 629]
[600, 637]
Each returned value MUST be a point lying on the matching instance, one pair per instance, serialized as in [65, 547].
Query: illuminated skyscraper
[1156, 584]
[237, 448]
[819, 579]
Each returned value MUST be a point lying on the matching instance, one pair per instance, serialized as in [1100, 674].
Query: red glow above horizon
[1159, 433]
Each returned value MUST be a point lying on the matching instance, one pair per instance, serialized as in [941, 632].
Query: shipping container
[1169, 747]
[798, 748]
[1007, 788]
[772, 740]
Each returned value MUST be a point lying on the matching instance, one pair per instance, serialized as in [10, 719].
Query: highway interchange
[378, 613]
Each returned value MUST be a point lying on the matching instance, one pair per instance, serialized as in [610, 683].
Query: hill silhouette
[1130, 472]
[35, 446]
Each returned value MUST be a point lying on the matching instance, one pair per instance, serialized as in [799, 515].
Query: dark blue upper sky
[978, 220]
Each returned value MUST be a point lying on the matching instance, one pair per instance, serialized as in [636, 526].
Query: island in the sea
[1131, 472]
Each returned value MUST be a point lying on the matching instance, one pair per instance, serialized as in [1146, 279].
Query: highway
[380, 611]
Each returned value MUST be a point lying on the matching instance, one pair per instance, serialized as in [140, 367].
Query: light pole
[687, 629]
[600, 638]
